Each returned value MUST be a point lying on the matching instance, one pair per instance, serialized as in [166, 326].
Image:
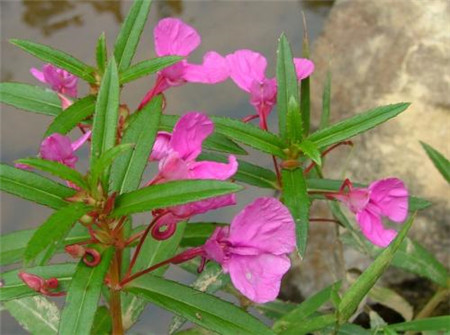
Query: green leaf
[58, 58]
[83, 295]
[101, 54]
[200, 308]
[54, 229]
[106, 113]
[393, 300]
[13, 246]
[311, 151]
[147, 67]
[210, 280]
[250, 135]
[306, 326]
[101, 167]
[355, 125]
[276, 309]
[356, 292]
[288, 102]
[30, 98]
[171, 194]
[36, 315]
[438, 323]
[215, 141]
[69, 118]
[247, 172]
[57, 169]
[15, 288]
[326, 102]
[127, 170]
[102, 322]
[440, 162]
[33, 187]
[295, 197]
[305, 309]
[152, 252]
[197, 233]
[130, 33]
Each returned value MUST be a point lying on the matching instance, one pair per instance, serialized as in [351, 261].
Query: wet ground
[74, 26]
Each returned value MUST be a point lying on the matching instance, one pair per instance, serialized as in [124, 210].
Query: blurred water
[74, 26]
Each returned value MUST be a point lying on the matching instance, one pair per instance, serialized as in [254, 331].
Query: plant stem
[334, 146]
[114, 303]
[431, 305]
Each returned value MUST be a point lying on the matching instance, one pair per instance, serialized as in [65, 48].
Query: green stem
[431, 305]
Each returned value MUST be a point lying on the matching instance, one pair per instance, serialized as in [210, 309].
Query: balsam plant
[119, 266]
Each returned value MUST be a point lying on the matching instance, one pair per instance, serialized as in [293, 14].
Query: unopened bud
[34, 282]
[86, 219]
[75, 250]
[290, 164]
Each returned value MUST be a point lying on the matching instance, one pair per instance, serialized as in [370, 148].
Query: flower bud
[75, 250]
[34, 282]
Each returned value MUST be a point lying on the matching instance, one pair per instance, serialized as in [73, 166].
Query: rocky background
[383, 52]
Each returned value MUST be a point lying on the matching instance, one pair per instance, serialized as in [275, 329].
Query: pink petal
[161, 147]
[246, 66]
[65, 102]
[174, 37]
[212, 246]
[23, 166]
[213, 70]
[189, 133]
[214, 170]
[78, 143]
[172, 167]
[258, 277]
[203, 206]
[358, 198]
[37, 74]
[373, 229]
[304, 68]
[56, 147]
[391, 197]
[265, 224]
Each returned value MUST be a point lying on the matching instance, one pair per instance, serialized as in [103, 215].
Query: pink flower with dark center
[247, 69]
[254, 248]
[60, 148]
[177, 153]
[383, 198]
[58, 79]
[173, 37]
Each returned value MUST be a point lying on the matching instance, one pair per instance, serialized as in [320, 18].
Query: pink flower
[383, 198]
[254, 248]
[59, 148]
[174, 37]
[247, 70]
[177, 153]
[58, 79]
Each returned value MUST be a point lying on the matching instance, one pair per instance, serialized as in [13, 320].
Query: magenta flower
[59, 148]
[247, 69]
[254, 248]
[58, 79]
[175, 38]
[383, 198]
[177, 153]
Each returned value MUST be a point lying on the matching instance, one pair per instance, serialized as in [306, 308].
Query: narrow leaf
[33, 187]
[355, 125]
[295, 197]
[69, 118]
[276, 309]
[101, 54]
[57, 169]
[106, 113]
[127, 170]
[58, 58]
[36, 315]
[200, 308]
[30, 98]
[130, 33]
[14, 288]
[287, 93]
[440, 162]
[147, 67]
[54, 229]
[307, 326]
[437, 323]
[197, 233]
[83, 295]
[311, 151]
[352, 298]
[102, 322]
[171, 194]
